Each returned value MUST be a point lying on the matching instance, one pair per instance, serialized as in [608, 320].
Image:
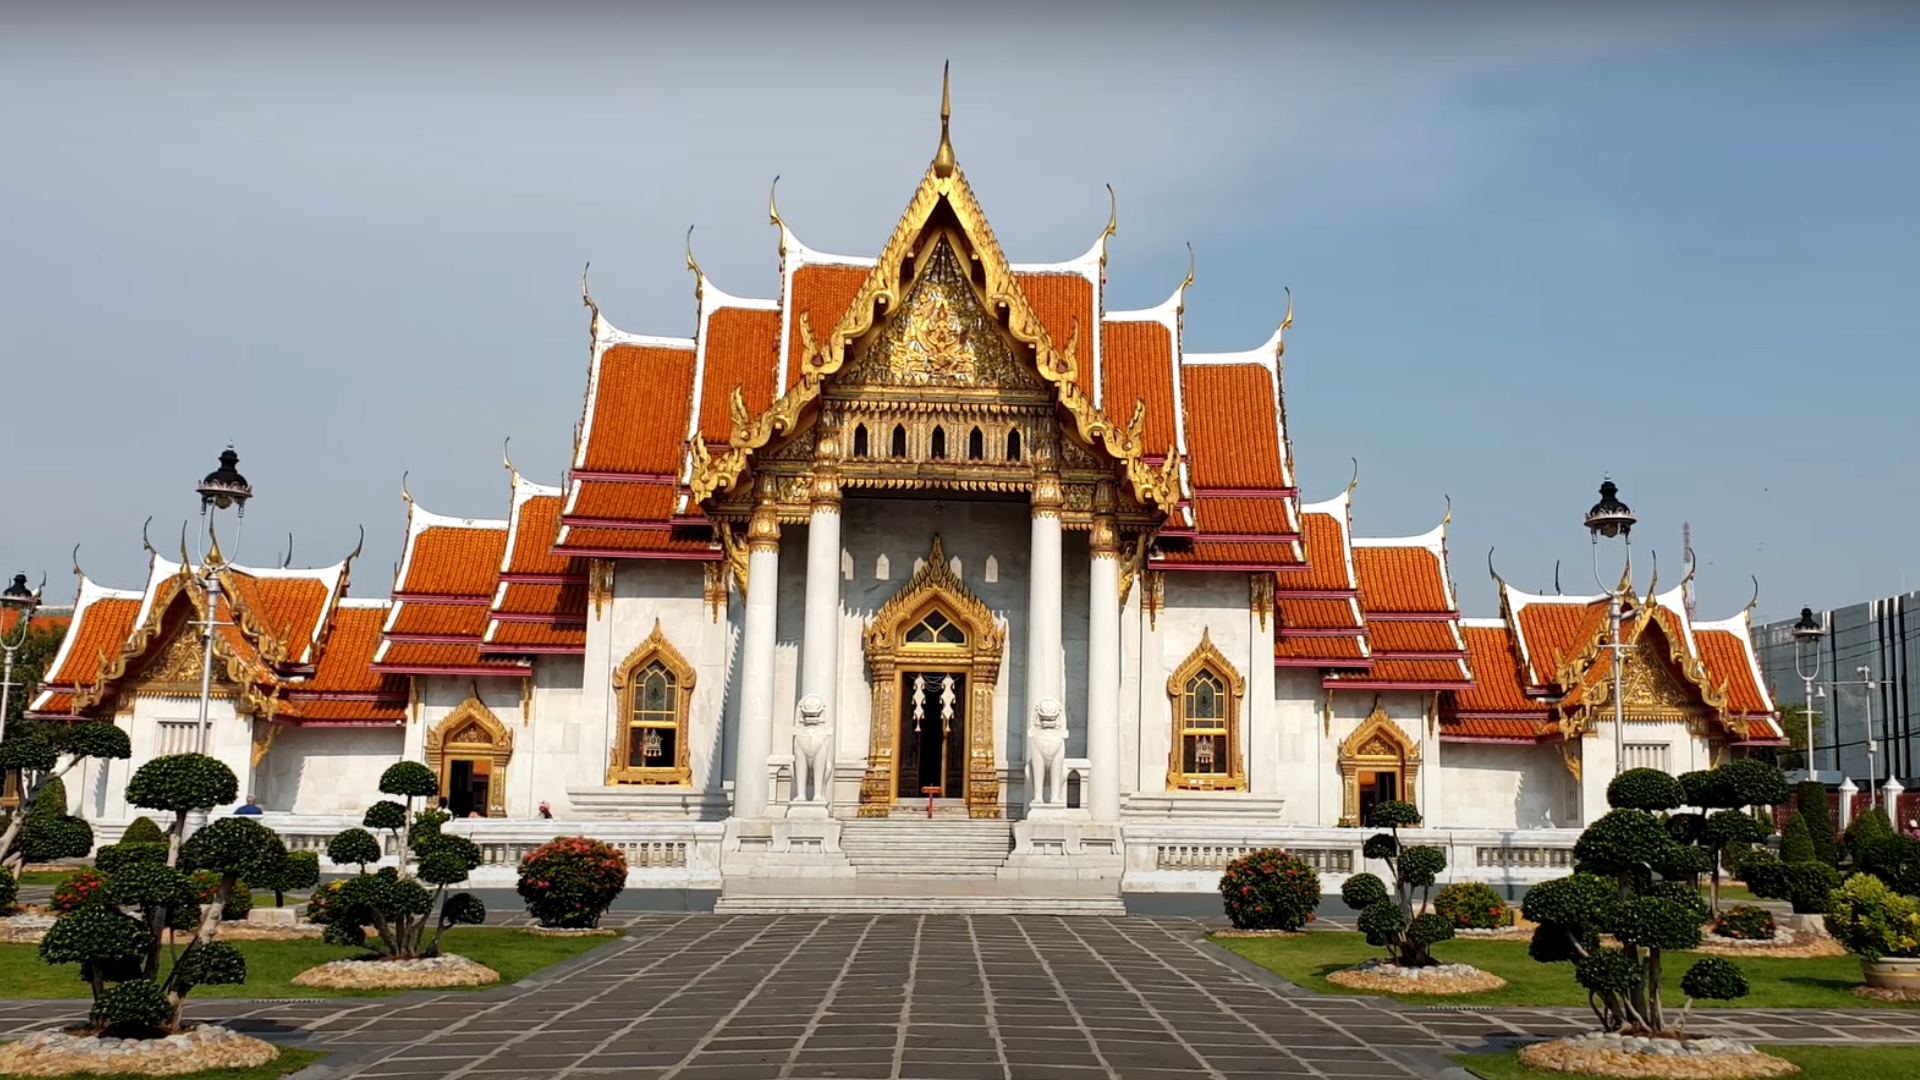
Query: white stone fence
[1183, 857]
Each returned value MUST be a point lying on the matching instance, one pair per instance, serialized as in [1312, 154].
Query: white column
[756, 660]
[1044, 675]
[1103, 660]
[820, 649]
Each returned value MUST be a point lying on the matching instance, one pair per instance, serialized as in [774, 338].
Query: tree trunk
[1654, 1014]
[1713, 883]
[174, 835]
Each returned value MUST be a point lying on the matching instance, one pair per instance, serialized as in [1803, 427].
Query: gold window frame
[626, 685]
[1206, 658]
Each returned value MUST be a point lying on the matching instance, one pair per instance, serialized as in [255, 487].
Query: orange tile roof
[350, 710]
[454, 561]
[426, 659]
[1411, 636]
[104, 628]
[537, 523]
[1326, 554]
[640, 541]
[1318, 648]
[508, 636]
[1233, 430]
[1556, 632]
[1727, 660]
[1496, 675]
[565, 602]
[1063, 303]
[1244, 516]
[608, 501]
[344, 666]
[743, 349]
[1432, 674]
[1513, 728]
[439, 620]
[822, 293]
[10, 618]
[1137, 365]
[1229, 553]
[1400, 580]
[287, 608]
[640, 403]
[56, 703]
[1302, 613]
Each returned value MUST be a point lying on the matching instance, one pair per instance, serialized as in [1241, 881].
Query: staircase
[922, 847]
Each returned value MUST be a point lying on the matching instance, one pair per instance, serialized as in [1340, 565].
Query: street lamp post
[1866, 680]
[1806, 644]
[222, 489]
[1610, 518]
[21, 601]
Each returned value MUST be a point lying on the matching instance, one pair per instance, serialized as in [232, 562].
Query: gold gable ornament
[472, 731]
[1377, 745]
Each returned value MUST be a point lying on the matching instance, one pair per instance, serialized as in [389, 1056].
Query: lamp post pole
[222, 489]
[1807, 633]
[18, 599]
[1610, 518]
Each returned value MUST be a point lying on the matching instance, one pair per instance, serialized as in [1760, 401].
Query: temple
[930, 557]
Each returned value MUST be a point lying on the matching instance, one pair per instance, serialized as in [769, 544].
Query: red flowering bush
[1469, 905]
[78, 890]
[569, 882]
[1269, 890]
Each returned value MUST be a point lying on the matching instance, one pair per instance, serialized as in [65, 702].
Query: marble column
[1103, 659]
[756, 656]
[1045, 673]
[820, 648]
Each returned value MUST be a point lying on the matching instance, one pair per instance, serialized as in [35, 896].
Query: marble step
[904, 904]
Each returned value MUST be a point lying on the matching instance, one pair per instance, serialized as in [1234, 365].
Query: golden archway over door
[1377, 763]
[934, 623]
[467, 741]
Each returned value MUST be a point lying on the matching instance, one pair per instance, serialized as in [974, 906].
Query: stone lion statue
[812, 765]
[1047, 755]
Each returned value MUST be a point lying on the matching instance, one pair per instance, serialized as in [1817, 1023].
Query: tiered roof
[443, 599]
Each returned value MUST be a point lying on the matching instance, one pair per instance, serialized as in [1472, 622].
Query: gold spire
[146, 544]
[943, 160]
[1355, 482]
[1445, 521]
[404, 493]
[506, 458]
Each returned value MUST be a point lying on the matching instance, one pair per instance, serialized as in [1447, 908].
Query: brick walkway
[704, 997]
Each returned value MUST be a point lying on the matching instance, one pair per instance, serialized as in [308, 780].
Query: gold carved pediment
[942, 337]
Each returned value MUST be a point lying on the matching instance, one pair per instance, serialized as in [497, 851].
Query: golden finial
[1355, 482]
[288, 561]
[1495, 574]
[144, 542]
[1448, 519]
[404, 493]
[1556, 578]
[213, 544]
[1113, 224]
[943, 160]
[82, 574]
[1653, 585]
[586, 294]
[1188, 283]
[359, 547]
[691, 264]
[773, 205]
[1751, 604]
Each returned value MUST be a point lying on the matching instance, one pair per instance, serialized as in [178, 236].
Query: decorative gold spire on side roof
[943, 160]
[1755, 602]
[77, 572]
[506, 458]
[1187, 282]
[1355, 482]
[1448, 519]
[146, 544]
[404, 493]
[699, 276]
[1113, 226]
[1284, 324]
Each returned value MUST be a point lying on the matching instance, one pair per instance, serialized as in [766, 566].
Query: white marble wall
[320, 770]
[1496, 786]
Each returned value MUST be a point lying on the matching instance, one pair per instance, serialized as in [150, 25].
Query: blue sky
[1529, 244]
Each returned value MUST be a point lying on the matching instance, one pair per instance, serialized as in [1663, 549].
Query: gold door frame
[933, 586]
[1377, 745]
[472, 731]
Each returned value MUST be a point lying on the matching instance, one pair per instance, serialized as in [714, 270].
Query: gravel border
[1614, 1055]
[1438, 980]
[205, 1046]
[433, 972]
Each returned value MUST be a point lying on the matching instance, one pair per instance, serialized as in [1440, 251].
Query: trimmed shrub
[301, 871]
[1470, 905]
[1745, 922]
[82, 888]
[142, 830]
[353, 847]
[1796, 840]
[1714, 977]
[1263, 890]
[1805, 885]
[115, 857]
[391, 900]
[49, 833]
[1872, 920]
[410, 779]
[1388, 919]
[1813, 807]
[1645, 789]
[9, 892]
[570, 882]
[137, 1005]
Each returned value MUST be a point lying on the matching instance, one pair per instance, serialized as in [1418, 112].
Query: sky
[1529, 245]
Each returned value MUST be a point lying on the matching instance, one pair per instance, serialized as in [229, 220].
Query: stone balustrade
[1189, 857]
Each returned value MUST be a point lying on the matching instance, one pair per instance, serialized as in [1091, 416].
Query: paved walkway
[909, 997]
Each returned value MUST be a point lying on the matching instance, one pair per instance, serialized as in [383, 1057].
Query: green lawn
[1823, 983]
[1818, 1063]
[43, 877]
[290, 1060]
[271, 965]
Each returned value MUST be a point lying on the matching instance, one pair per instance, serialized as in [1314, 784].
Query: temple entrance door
[465, 782]
[1377, 787]
[933, 734]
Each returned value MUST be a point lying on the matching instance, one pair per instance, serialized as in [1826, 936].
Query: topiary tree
[1812, 796]
[1390, 920]
[49, 833]
[391, 900]
[569, 882]
[300, 872]
[1630, 881]
[115, 922]
[1471, 905]
[37, 754]
[142, 830]
[1872, 847]
[1714, 978]
[181, 784]
[1723, 828]
[1796, 840]
[9, 892]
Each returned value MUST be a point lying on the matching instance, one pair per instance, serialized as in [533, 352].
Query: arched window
[936, 629]
[1013, 445]
[1205, 693]
[939, 444]
[976, 445]
[860, 441]
[899, 440]
[655, 684]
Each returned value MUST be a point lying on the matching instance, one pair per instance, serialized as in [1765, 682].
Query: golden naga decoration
[882, 294]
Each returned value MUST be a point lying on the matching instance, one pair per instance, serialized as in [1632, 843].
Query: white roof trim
[332, 576]
[160, 569]
[524, 491]
[1340, 509]
[90, 594]
[1087, 267]
[1742, 629]
[1433, 540]
[363, 603]
[795, 255]
[1266, 355]
[419, 521]
[712, 299]
[1483, 624]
